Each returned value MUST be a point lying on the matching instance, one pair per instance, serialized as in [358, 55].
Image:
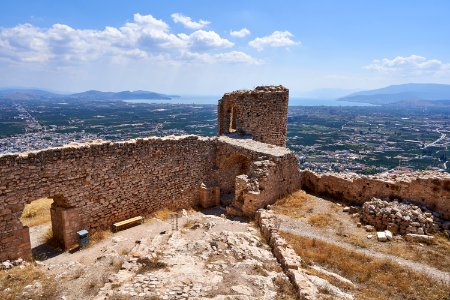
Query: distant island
[36, 94]
[417, 94]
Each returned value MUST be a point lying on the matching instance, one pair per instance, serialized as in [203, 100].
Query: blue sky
[210, 47]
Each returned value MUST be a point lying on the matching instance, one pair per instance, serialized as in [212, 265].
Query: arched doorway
[229, 168]
[36, 216]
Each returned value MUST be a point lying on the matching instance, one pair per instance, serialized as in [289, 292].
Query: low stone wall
[431, 189]
[286, 256]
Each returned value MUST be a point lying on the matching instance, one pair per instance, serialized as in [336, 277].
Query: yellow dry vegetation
[376, 278]
[98, 236]
[37, 212]
[435, 255]
[293, 205]
[13, 281]
[285, 290]
[163, 214]
[320, 219]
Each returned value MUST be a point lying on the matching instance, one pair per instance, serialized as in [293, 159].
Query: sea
[213, 100]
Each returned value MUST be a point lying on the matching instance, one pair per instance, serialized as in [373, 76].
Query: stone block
[381, 236]
[419, 238]
[389, 235]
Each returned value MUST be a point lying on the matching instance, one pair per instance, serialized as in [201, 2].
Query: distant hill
[26, 94]
[36, 94]
[404, 93]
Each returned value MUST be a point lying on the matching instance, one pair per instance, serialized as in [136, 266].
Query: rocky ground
[207, 257]
[212, 257]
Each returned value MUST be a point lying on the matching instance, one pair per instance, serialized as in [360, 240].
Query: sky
[205, 47]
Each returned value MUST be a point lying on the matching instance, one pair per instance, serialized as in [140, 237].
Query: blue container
[83, 238]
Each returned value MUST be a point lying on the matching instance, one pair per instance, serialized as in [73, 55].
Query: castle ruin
[96, 184]
[260, 114]
[93, 185]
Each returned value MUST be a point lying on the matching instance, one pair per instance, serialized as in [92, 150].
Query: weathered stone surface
[289, 260]
[381, 236]
[430, 188]
[96, 184]
[420, 238]
[369, 228]
[389, 235]
[260, 114]
[398, 217]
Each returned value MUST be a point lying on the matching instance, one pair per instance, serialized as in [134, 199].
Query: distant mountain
[35, 94]
[26, 94]
[403, 93]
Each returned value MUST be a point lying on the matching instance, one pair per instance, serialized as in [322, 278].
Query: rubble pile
[399, 218]
[9, 264]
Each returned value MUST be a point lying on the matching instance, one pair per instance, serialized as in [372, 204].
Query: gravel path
[300, 228]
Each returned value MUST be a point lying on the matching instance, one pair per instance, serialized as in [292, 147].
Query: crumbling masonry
[96, 184]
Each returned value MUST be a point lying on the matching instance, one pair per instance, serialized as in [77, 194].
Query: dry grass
[13, 281]
[259, 270]
[37, 212]
[191, 224]
[98, 236]
[320, 219]
[378, 278]
[357, 241]
[116, 263]
[94, 282]
[436, 255]
[47, 237]
[163, 214]
[147, 265]
[294, 205]
[285, 290]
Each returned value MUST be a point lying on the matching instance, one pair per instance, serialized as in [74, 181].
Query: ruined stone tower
[94, 185]
[260, 113]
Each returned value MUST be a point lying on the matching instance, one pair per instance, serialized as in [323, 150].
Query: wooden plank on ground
[127, 223]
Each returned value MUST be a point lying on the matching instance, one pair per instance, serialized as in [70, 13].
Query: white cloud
[143, 38]
[237, 57]
[413, 64]
[187, 21]
[276, 39]
[201, 39]
[240, 33]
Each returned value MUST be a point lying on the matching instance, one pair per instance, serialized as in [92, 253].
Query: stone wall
[431, 189]
[95, 185]
[106, 182]
[260, 113]
[286, 256]
[261, 174]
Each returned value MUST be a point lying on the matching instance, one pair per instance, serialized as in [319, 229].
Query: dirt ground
[207, 257]
[314, 219]
[325, 219]
[212, 257]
